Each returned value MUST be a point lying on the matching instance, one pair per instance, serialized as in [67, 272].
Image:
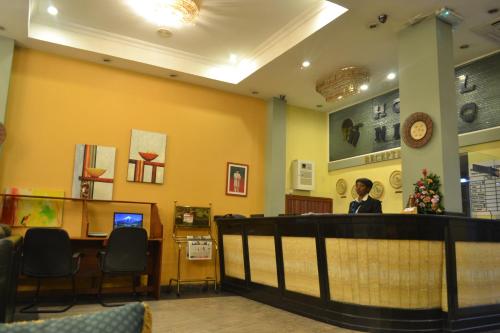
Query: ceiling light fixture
[306, 63]
[233, 58]
[165, 33]
[464, 46]
[345, 82]
[166, 13]
[52, 10]
[391, 76]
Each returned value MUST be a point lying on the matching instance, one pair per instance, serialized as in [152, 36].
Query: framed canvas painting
[236, 179]
[94, 172]
[146, 163]
[33, 212]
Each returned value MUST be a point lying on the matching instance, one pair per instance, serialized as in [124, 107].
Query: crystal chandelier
[166, 13]
[345, 82]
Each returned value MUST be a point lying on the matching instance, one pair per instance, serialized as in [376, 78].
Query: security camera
[382, 18]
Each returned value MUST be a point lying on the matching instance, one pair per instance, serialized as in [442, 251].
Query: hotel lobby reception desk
[379, 273]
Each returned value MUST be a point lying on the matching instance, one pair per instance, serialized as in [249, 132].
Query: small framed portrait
[236, 179]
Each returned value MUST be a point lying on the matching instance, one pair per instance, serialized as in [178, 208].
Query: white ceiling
[270, 37]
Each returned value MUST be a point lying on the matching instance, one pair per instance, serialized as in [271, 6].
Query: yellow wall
[55, 103]
[483, 152]
[307, 139]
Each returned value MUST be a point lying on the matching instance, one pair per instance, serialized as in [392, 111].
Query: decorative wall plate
[395, 179]
[354, 194]
[377, 190]
[341, 186]
[417, 130]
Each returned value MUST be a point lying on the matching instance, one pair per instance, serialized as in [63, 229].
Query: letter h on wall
[379, 111]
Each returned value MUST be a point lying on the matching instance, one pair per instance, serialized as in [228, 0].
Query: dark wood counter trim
[448, 229]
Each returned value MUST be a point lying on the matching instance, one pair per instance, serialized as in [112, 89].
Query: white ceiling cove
[224, 27]
[268, 38]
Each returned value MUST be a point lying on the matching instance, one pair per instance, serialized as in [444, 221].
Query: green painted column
[6, 54]
[427, 84]
[274, 189]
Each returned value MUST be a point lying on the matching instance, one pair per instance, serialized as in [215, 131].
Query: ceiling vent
[490, 30]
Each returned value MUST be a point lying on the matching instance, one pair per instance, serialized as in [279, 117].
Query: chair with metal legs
[126, 254]
[47, 254]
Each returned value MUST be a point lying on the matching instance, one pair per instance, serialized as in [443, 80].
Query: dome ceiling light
[345, 82]
[166, 13]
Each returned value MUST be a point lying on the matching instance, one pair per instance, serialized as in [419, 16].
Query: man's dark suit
[369, 206]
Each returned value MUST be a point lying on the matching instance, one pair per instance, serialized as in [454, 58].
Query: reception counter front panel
[384, 273]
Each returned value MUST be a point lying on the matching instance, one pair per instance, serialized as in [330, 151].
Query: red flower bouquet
[428, 198]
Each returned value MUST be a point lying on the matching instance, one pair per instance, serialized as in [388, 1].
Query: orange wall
[55, 103]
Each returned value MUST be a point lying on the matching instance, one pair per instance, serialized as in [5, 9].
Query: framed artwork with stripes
[146, 163]
[94, 172]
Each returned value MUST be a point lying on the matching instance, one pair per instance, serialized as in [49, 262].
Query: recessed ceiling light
[233, 58]
[52, 10]
[255, 92]
[464, 46]
[373, 26]
[339, 97]
[319, 106]
[364, 87]
[106, 60]
[391, 76]
[172, 75]
[493, 11]
[306, 63]
[165, 33]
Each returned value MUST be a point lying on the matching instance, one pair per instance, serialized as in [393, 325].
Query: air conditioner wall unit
[303, 175]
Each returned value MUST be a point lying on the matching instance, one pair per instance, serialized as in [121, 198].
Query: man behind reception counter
[364, 203]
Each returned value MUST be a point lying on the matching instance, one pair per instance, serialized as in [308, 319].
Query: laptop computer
[127, 220]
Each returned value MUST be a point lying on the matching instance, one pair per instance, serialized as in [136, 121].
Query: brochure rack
[197, 220]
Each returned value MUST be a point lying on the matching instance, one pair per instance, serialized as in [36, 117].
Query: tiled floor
[219, 314]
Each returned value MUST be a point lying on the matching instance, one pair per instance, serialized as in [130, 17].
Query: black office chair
[47, 254]
[126, 254]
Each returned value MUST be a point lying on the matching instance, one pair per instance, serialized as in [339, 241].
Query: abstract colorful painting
[146, 163]
[31, 212]
[94, 172]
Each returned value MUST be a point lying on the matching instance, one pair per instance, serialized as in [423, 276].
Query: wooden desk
[89, 268]
[89, 246]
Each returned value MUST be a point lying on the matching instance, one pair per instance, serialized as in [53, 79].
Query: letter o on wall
[468, 112]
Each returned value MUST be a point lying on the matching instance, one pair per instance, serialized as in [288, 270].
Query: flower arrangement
[428, 198]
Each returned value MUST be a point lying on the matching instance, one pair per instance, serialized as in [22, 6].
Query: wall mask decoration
[347, 125]
[468, 112]
[94, 172]
[350, 132]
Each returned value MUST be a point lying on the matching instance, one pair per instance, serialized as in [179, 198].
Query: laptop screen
[127, 220]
